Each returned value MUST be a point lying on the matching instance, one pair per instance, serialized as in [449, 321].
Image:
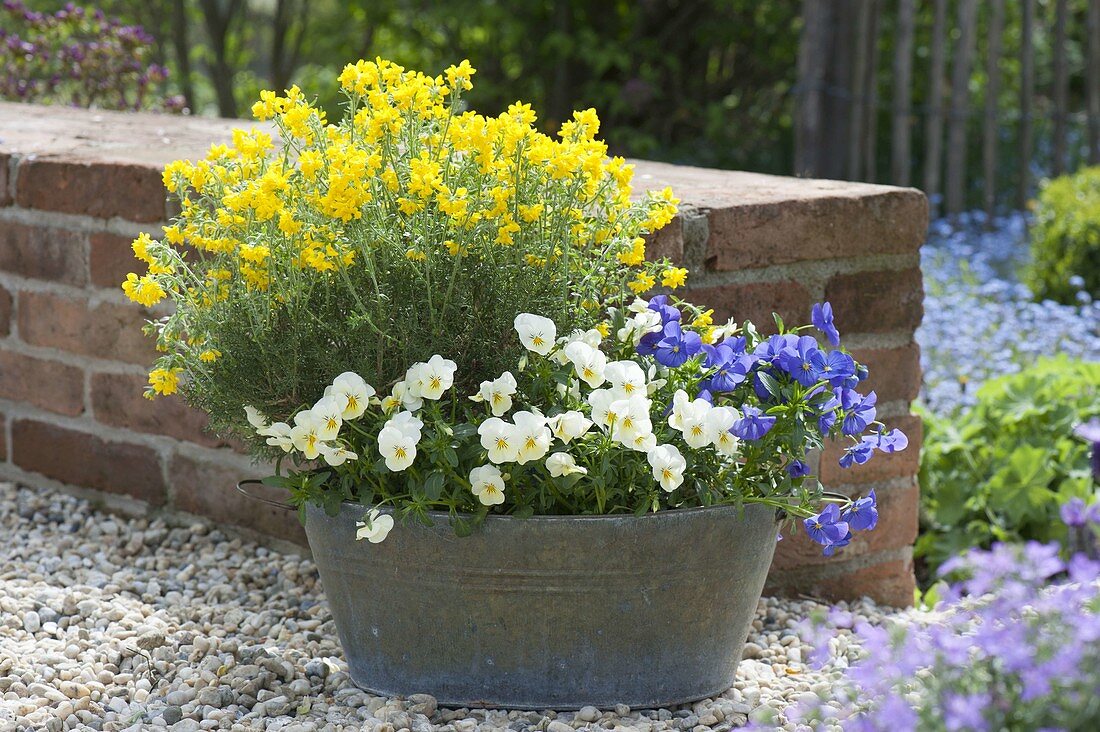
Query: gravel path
[111, 623]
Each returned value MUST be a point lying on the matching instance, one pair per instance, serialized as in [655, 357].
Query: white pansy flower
[402, 396]
[729, 328]
[536, 333]
[626, 379]
[640, 305]
[568, 426]
[647, 321]
[588, 362]
[497, 393]
[376, 527]
[337, 455]
[397, 447]
[255, 418]
[406, 422]
[591, 337]
[352, 392]
[601, 400]
[562, 463]
[718, 422]
[631, 419]
[278, 435]
[533, 436]
[500, 439]
[306, 434]
[434, 377]
[644, 442]
[693, 424]
[328, 411]
[668, 466]
[487, 484]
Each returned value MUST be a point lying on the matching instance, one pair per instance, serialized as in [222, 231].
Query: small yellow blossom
[210, 355]
[704, 318]
[164, 381]
[674, 277]
[642, 283]
[143, 290]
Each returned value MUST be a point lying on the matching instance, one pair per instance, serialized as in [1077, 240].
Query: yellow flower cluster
[407, 175]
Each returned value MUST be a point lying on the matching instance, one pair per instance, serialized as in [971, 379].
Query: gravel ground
[112, 623]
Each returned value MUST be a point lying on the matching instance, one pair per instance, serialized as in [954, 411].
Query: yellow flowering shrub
[412, 225]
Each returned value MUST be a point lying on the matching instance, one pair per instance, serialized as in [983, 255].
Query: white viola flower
[655, 386]
[693, 423]
[728, 329]
[631, 419]
[570, 425]
[647, 321]
[255, 418]
[498, 393]
[536, 333]
[626, 379]
[397, 447]
[588, 362]
[640, 305]
[643, 442]
[352, 392]
[591, 337]
[601, 400]
[679, 401]
[402, 396]
[533, 436]
[500, 439]
[718, 423]
[435, 377]
[668, 466]
[306, 434]
[337, 455]
[487, 484]
[328, 411]
[278, 435]
[406, 422]
[376, 527]
[562, 463]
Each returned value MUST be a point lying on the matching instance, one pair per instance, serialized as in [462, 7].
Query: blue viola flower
[862, 515]
[859, 453]
[859, 411]
[803, 361]
[892, 441]
[837, 367]
[676, 345]
[826, 528]
[822, 317]
[830, 549]
[730, 367]
[797, 469]
[668, 313]
[647, 346]
[771, 349]
[753, 425]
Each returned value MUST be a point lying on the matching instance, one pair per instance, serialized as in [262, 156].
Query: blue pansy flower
[771, 349]
[676, 345]
[647, 345]
[862, 515]
[730, 367]
[802, 361]
[822, 317]
[837, 367]
[753, 425]
[668, 313]
[826, 527]
[858, 453]
[844, 541]
[892, 441]
[797, 469]
[859, 411]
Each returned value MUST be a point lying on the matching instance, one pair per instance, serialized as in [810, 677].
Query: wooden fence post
[933, 123]
[1061, 84]
[902, 101]
[960, 93]
[992, 87]
[1092, 80]
[1027, 94]
[811, 80]
[858, 86]
[870, 93]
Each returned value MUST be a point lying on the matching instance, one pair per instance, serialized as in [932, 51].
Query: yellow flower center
[399, 452]
[353, 402]
[502, 443]
[434, 382]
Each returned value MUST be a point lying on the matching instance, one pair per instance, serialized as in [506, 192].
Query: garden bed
[113, 623]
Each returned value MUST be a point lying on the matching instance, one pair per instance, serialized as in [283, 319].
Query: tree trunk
[1092, 81]
[902, 106]
[1027, 95]
[960, 93]
[870, 93]
[1061, 87]
[182, 50]
[933, 124]
[811, 80]
[858, 85]
[218, 20]
[992, 88]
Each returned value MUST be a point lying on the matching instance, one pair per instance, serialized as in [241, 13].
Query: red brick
[895, 373]
[111, 259]
[889, 582]
[897, 527]
[107, 330]
[49, 385]
[206, 488]
[5, 312]
[667, 242]
[117, 400]
[43, 253]
[883, 466]
[876, 302]
[82, 459]
[756, 302]
[93, 188]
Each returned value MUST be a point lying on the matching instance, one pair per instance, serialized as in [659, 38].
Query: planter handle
[277, 504]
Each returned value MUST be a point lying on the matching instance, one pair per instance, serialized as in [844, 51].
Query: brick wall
[77, 186]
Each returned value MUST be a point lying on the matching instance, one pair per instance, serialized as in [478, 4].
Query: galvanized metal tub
[549, 612]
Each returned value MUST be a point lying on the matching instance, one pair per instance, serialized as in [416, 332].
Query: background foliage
[1065, 238]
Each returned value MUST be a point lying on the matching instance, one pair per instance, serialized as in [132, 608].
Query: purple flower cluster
[77, 56]
[766, 378]
[1015, 644]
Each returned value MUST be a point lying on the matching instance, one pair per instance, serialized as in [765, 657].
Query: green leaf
[433, 486]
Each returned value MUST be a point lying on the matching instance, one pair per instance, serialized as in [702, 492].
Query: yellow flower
[143, 290]
[674, 277]
[707, 336]
[141, 247]
[415, 255]
[642, 283]
[164, 381]
[530, 213]
[604, 329]
[210, 355]
[459, 76]
[635, 255]
[704, 318]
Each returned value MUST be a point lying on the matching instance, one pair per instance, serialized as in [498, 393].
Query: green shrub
[999, 471]
[1065, 238]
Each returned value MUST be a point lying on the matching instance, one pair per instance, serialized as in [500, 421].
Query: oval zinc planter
[549, 612]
